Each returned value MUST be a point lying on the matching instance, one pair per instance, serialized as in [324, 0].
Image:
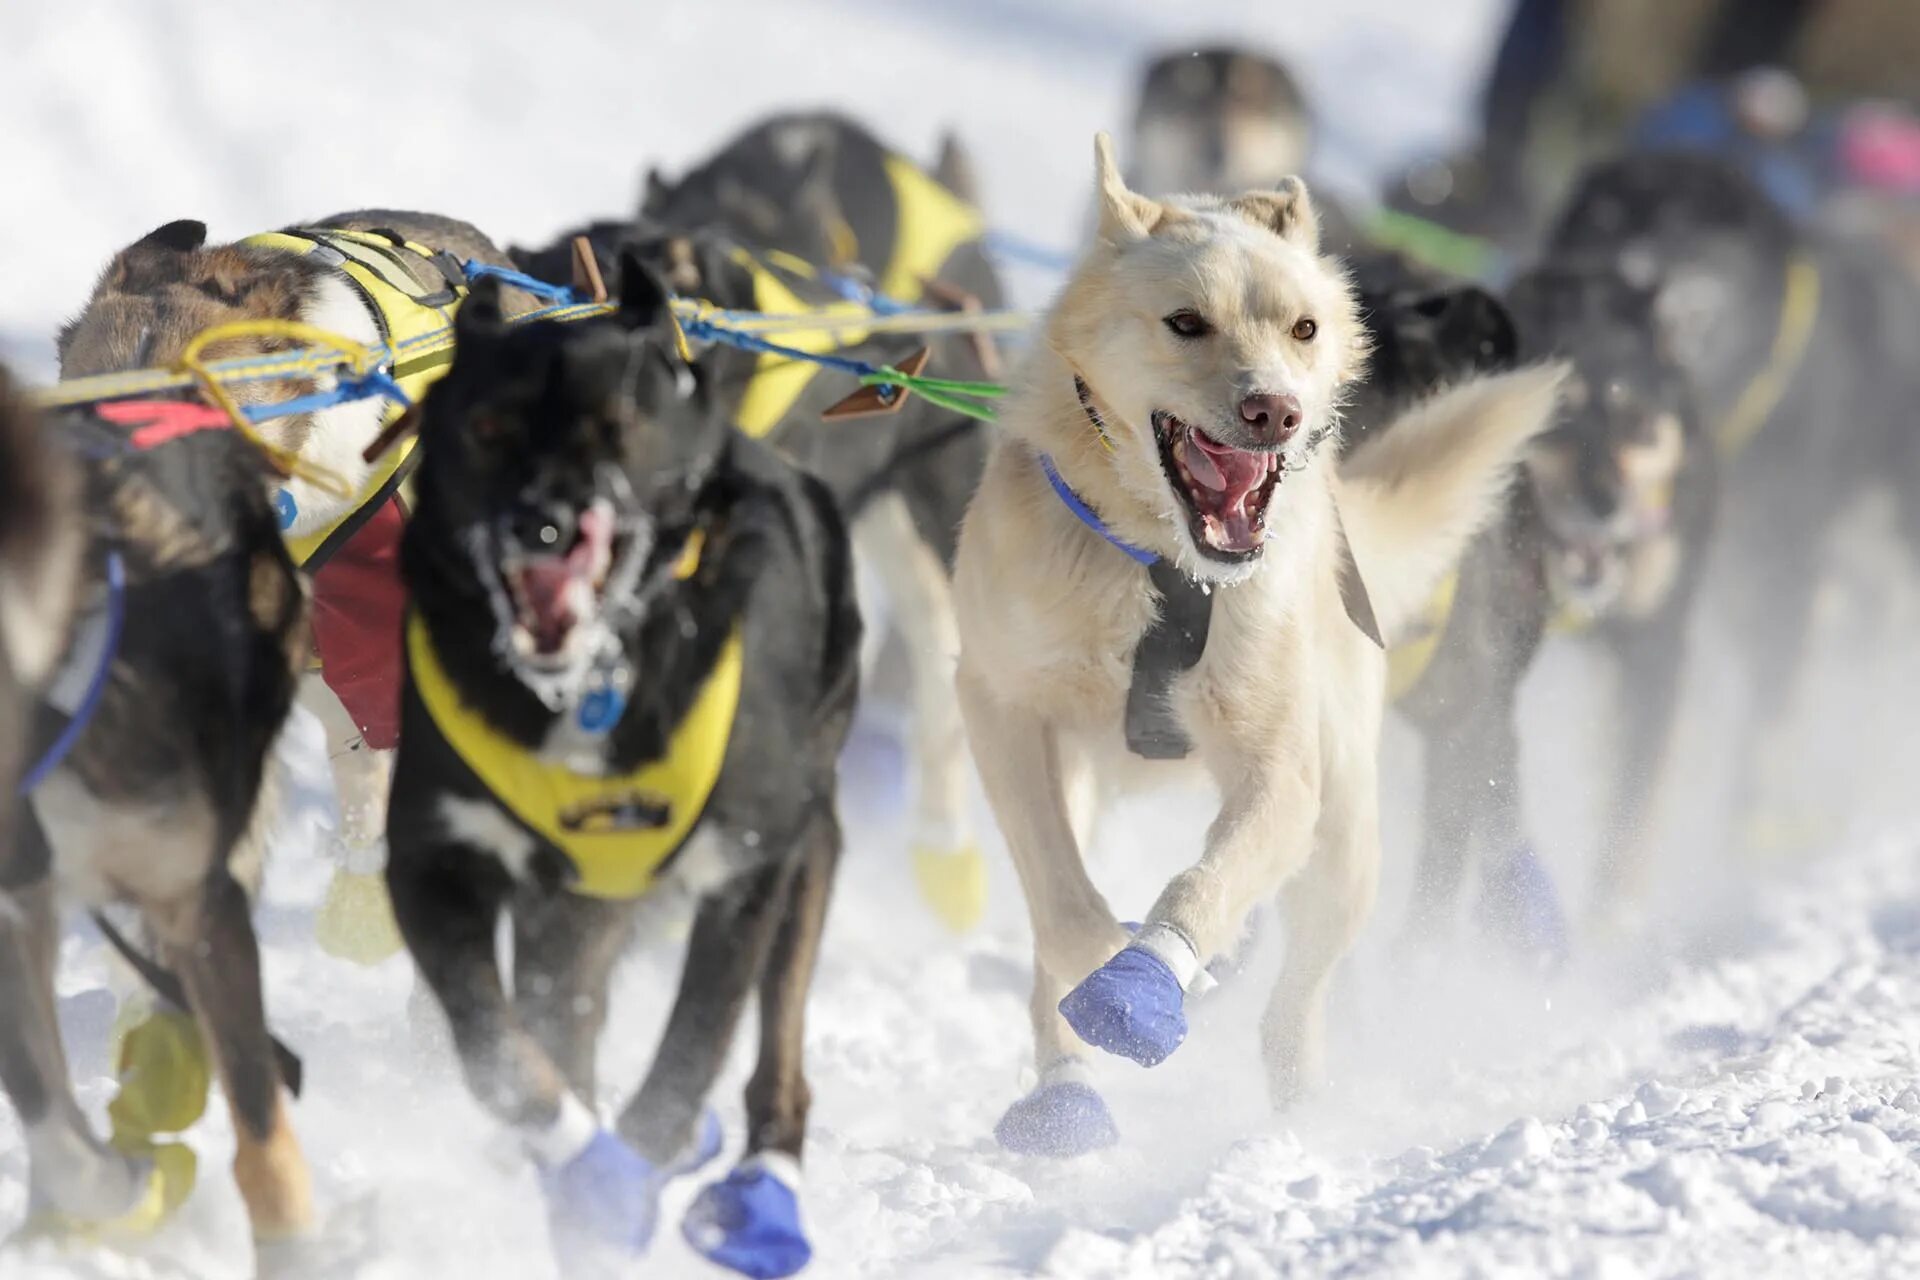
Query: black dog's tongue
[554, 588]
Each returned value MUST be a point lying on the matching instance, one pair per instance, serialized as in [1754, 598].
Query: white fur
[920, 604]
[569, 1134]
[1417, 493]
[342, 433]
[1284, 706]
[481, 824]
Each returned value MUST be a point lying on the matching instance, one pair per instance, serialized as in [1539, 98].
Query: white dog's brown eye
[1304, 328]
[1188, 323]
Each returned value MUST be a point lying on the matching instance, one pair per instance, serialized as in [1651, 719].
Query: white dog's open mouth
[555, 590]
[1226, 489]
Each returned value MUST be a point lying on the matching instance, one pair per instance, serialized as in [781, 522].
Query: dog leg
[1651, 657]
[72, 1174]
[213, 948]
[1325, 907]
[602, 1196]
[447, 901]
[564, 951]
[1133, 1004]
[726, 953]
[946, 859]
[1028, 776]
[750, 1220]
[1472, 820]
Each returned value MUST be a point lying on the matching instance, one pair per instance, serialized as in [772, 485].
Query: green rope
[952, 394]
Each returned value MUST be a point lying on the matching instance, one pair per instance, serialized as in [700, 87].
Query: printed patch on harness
[626, 811]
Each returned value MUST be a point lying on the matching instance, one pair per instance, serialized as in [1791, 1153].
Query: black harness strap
[344, 532]
[166, 984]
[1171, 646]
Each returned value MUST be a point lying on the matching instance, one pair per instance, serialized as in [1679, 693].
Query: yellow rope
[355, 357]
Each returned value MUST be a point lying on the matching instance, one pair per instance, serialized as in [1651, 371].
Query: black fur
[1719, 253]
[519, 425]
[787, 184]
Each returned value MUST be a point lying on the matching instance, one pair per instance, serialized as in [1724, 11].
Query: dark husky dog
[1799, 345]
[632, 658]
[1609, 533]
[399, 274]
[1217, 119]
[826, 191]
[179, 686]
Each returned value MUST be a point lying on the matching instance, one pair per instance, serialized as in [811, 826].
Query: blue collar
[1086, 516]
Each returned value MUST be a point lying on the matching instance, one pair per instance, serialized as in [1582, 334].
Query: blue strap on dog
[477, 270]
[89, 702]
[1086, 516]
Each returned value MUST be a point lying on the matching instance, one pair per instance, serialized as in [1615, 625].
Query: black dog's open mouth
[1226, 489]
[556, 590]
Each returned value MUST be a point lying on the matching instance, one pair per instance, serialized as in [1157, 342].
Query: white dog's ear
[1124, 215]
[1287, 211]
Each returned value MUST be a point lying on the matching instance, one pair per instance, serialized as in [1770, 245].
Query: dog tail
[1416, 493]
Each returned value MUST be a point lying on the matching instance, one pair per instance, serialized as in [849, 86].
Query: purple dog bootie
[1133, 1005]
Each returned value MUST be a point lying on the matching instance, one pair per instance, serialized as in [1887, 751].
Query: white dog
[1166, 554]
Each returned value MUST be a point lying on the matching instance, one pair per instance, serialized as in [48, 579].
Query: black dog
[149, 750]
[796, 214]
[1609, 533]
[1799, 343]
[632, 657]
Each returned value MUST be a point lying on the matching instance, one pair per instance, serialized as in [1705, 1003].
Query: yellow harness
[377, 269]
[590, 817]
[1799, 309]
[931, 223]
[618, 831]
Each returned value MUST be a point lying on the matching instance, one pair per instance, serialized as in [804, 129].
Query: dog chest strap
[1172, 645]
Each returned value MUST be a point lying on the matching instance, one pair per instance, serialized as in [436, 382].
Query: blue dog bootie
[603, 1200]
[1063, 1117]
[1133, 1005]
[749, 1221]
[1520, 908]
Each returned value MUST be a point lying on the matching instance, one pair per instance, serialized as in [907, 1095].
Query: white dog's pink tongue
[1232, 473]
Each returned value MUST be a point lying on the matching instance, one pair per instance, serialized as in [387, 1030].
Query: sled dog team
[581, 623]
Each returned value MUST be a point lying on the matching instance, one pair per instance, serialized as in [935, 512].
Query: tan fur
[1284, 706]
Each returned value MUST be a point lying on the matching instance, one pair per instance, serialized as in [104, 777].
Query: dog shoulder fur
[1414, 495]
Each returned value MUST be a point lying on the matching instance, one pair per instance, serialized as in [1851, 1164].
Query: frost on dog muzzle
[563, 585]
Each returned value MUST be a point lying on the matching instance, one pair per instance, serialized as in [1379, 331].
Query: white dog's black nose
[1273, 417]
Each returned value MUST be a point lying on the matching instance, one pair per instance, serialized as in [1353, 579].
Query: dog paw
[356, 921]
[127, 1201]
[953, 883]
[1131, 1005]
[1520, 909]
[1061, 1120]
[750, 1220]
[602, 1203]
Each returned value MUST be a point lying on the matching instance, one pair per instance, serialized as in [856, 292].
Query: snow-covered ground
[1730, 1094]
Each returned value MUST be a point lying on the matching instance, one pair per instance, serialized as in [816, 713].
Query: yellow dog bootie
[953, 883]
[356, 921]
[164, 1072]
